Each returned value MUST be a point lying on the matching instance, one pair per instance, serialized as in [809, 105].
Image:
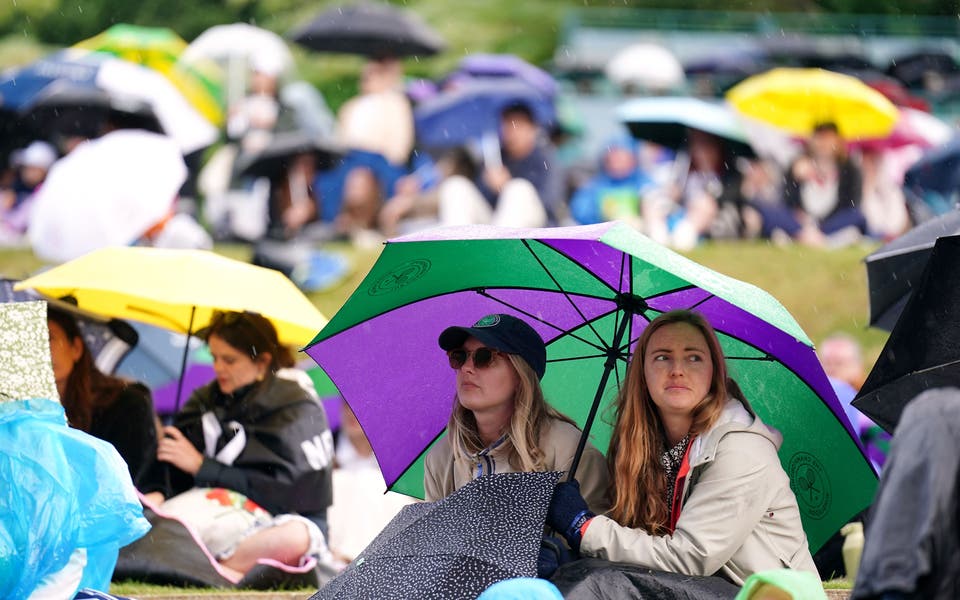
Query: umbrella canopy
[179, 289]
[895, 269]
[589, 292]
[487, 531]
[370, 29]
[666, 121]
[160, 48]
[913, 128]
[76, 78]
[276, 157]
[645, 66]
[797, 100]
[107, 192]
[473, 108]
[499, 66]
[156, 362]
[938, 170]
[923, 351]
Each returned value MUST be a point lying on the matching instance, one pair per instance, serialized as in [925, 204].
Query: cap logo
[488, 321]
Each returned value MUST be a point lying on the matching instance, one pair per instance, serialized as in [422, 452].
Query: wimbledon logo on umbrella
[400, 276]
[810, 484]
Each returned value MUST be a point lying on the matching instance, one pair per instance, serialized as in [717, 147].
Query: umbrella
[797, 100]
[498, 66]
[472, 109]
[487, 531]
[159, 49]
[76, 78]
[179, 290]
[645, 66]
[236, 48]
[273, 160]
[913, 68]
[895, 269]
[107, 192]
[588, 291]
[666, 121]
[938, 170]
[370, 29]
[155, 362]
[923, 351]
[914, 127]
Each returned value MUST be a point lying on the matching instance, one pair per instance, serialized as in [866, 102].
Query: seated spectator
[884, 205]
[31, 167]
[250, 455]
[615, 192]
[521, 185]
[112, 409]
[705, 184]
[823, 192]
[380, 118]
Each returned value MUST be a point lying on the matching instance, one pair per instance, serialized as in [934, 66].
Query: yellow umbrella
[179, 289]
[797, 100]
[159, 48]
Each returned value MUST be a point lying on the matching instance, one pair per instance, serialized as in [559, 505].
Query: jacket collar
[735, 416]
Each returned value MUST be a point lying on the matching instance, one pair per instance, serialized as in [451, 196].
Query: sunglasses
[482, 357]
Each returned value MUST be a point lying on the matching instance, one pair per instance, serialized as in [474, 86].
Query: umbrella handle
[183, 362]
[613, 353]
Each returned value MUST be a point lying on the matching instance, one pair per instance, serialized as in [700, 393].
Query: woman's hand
[568, 512]
[177, 450]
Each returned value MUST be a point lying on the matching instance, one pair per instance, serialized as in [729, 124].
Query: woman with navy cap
[501, 422]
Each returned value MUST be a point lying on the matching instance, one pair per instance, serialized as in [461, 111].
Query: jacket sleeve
[723, 507]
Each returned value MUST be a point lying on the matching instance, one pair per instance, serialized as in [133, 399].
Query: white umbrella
[647, 66]
[107, 192]
[239, 47]
[179, 119]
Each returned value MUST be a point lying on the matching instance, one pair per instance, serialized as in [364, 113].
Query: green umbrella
[589, 291]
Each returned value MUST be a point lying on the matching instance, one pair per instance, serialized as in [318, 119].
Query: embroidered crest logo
[400, 276]
[810, 484]
[488, 321]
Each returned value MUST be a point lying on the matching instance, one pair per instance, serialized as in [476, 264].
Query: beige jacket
[558, 441]
[739, 514]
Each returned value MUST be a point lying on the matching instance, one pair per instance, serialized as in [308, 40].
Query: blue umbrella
[666, 120]
[473, 109]
[39, 91]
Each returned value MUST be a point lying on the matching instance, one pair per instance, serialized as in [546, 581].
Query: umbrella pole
[183, 363]
[613, 353]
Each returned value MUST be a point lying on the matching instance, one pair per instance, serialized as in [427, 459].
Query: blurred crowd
[495, 141]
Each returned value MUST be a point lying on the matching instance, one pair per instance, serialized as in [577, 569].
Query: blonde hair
[638, 439]
[530, 412]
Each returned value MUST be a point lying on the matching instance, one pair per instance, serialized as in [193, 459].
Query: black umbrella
[369, 29]
[923, 351]
[894, 270]
[273, 160]
[486, 531]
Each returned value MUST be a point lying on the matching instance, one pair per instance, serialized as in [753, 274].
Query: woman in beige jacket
[500, 421]
[698, 486]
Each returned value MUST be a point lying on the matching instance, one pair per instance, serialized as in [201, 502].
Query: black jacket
[286, 464]
[129, 423]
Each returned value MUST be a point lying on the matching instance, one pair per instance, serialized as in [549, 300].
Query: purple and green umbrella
[589, 291]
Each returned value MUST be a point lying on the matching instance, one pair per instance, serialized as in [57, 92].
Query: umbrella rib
[562, 331]
[585, 357]
[566, 294]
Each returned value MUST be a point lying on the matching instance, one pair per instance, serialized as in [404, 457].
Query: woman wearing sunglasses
[697, 484]
[501, 422]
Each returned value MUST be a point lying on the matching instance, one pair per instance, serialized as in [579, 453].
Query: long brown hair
[87, 388]
[638, 437]
[530, 412]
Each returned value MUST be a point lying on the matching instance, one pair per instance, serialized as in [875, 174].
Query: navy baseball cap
[504, 333]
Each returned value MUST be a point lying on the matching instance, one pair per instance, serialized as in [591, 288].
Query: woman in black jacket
[250, 453]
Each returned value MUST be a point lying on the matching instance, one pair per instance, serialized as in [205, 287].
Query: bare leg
[286, 543]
